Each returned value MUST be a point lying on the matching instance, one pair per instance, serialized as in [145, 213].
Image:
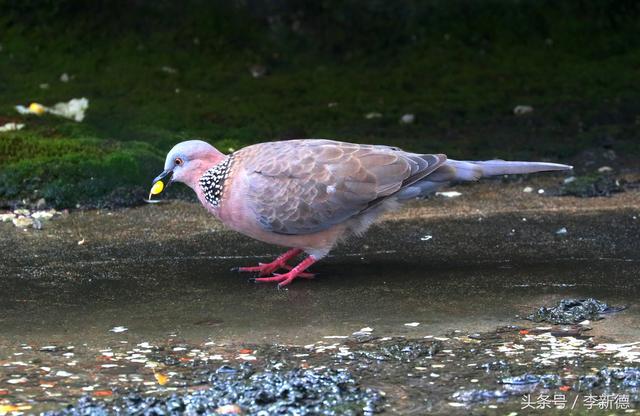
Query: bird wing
[305, 186]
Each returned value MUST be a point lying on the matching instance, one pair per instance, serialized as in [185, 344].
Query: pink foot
[265, 269]
[286, 278]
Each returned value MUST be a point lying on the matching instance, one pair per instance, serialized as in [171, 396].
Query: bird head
[186, 163]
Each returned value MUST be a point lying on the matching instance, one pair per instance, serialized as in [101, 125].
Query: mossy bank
[235, 74]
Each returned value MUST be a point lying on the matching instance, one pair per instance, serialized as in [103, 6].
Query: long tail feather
[503, 167]
[465, 170]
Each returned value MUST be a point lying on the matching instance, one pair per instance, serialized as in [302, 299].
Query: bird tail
[466, 170]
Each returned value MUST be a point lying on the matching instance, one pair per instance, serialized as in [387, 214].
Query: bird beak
[161, 182]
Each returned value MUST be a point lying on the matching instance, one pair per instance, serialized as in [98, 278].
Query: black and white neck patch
[212, 182]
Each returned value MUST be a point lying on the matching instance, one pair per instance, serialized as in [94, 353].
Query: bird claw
[262, 269]
[266, 269]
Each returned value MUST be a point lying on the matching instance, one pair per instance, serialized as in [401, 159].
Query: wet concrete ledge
[456, 267]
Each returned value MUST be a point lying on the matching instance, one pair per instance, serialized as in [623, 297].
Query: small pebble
[118, 329]
[521, 110]
[407, 119]
[449, 194]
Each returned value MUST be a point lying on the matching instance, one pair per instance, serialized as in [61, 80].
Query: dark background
[158, 72]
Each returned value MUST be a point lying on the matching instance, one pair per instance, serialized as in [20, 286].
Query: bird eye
[178, 161]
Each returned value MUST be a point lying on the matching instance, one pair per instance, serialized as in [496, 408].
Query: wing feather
[305, 186]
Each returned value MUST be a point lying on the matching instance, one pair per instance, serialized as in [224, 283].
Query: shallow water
[199, 298]
[164, 274]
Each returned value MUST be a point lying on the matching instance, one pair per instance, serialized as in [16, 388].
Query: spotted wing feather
[305, 186]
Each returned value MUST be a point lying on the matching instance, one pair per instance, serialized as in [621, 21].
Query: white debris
[521, 110]
[562, 231]
[23, 222]
[426, 238]
[412, 324]
[372, 115]
[258, 71]
[528, 189]
[81, 242]
[7, 217]
[366, 329]
[63, 373]
[118, 329]
[169, 70]
[64, 77]
[335, 337]
[449, 194]
[17, 380]
[569, 179]
[48, 348]
[74, 109]
[540, 191]
[407, 119]
[605, 169]
[11, 127]
[146, 345]
[23, 110]
[44, 215]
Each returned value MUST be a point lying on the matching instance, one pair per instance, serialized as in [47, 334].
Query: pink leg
[286, 278]
[265, 269]
[304, 275]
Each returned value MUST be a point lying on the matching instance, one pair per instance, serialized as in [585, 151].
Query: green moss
[460, 66]
[67, 172]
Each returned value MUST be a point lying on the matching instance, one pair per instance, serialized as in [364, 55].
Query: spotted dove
[308, 194]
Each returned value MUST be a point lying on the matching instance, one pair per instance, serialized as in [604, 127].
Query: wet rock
[295, 392]
[573, 311]
[622, 378]
[547, 380]
[474, 396]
